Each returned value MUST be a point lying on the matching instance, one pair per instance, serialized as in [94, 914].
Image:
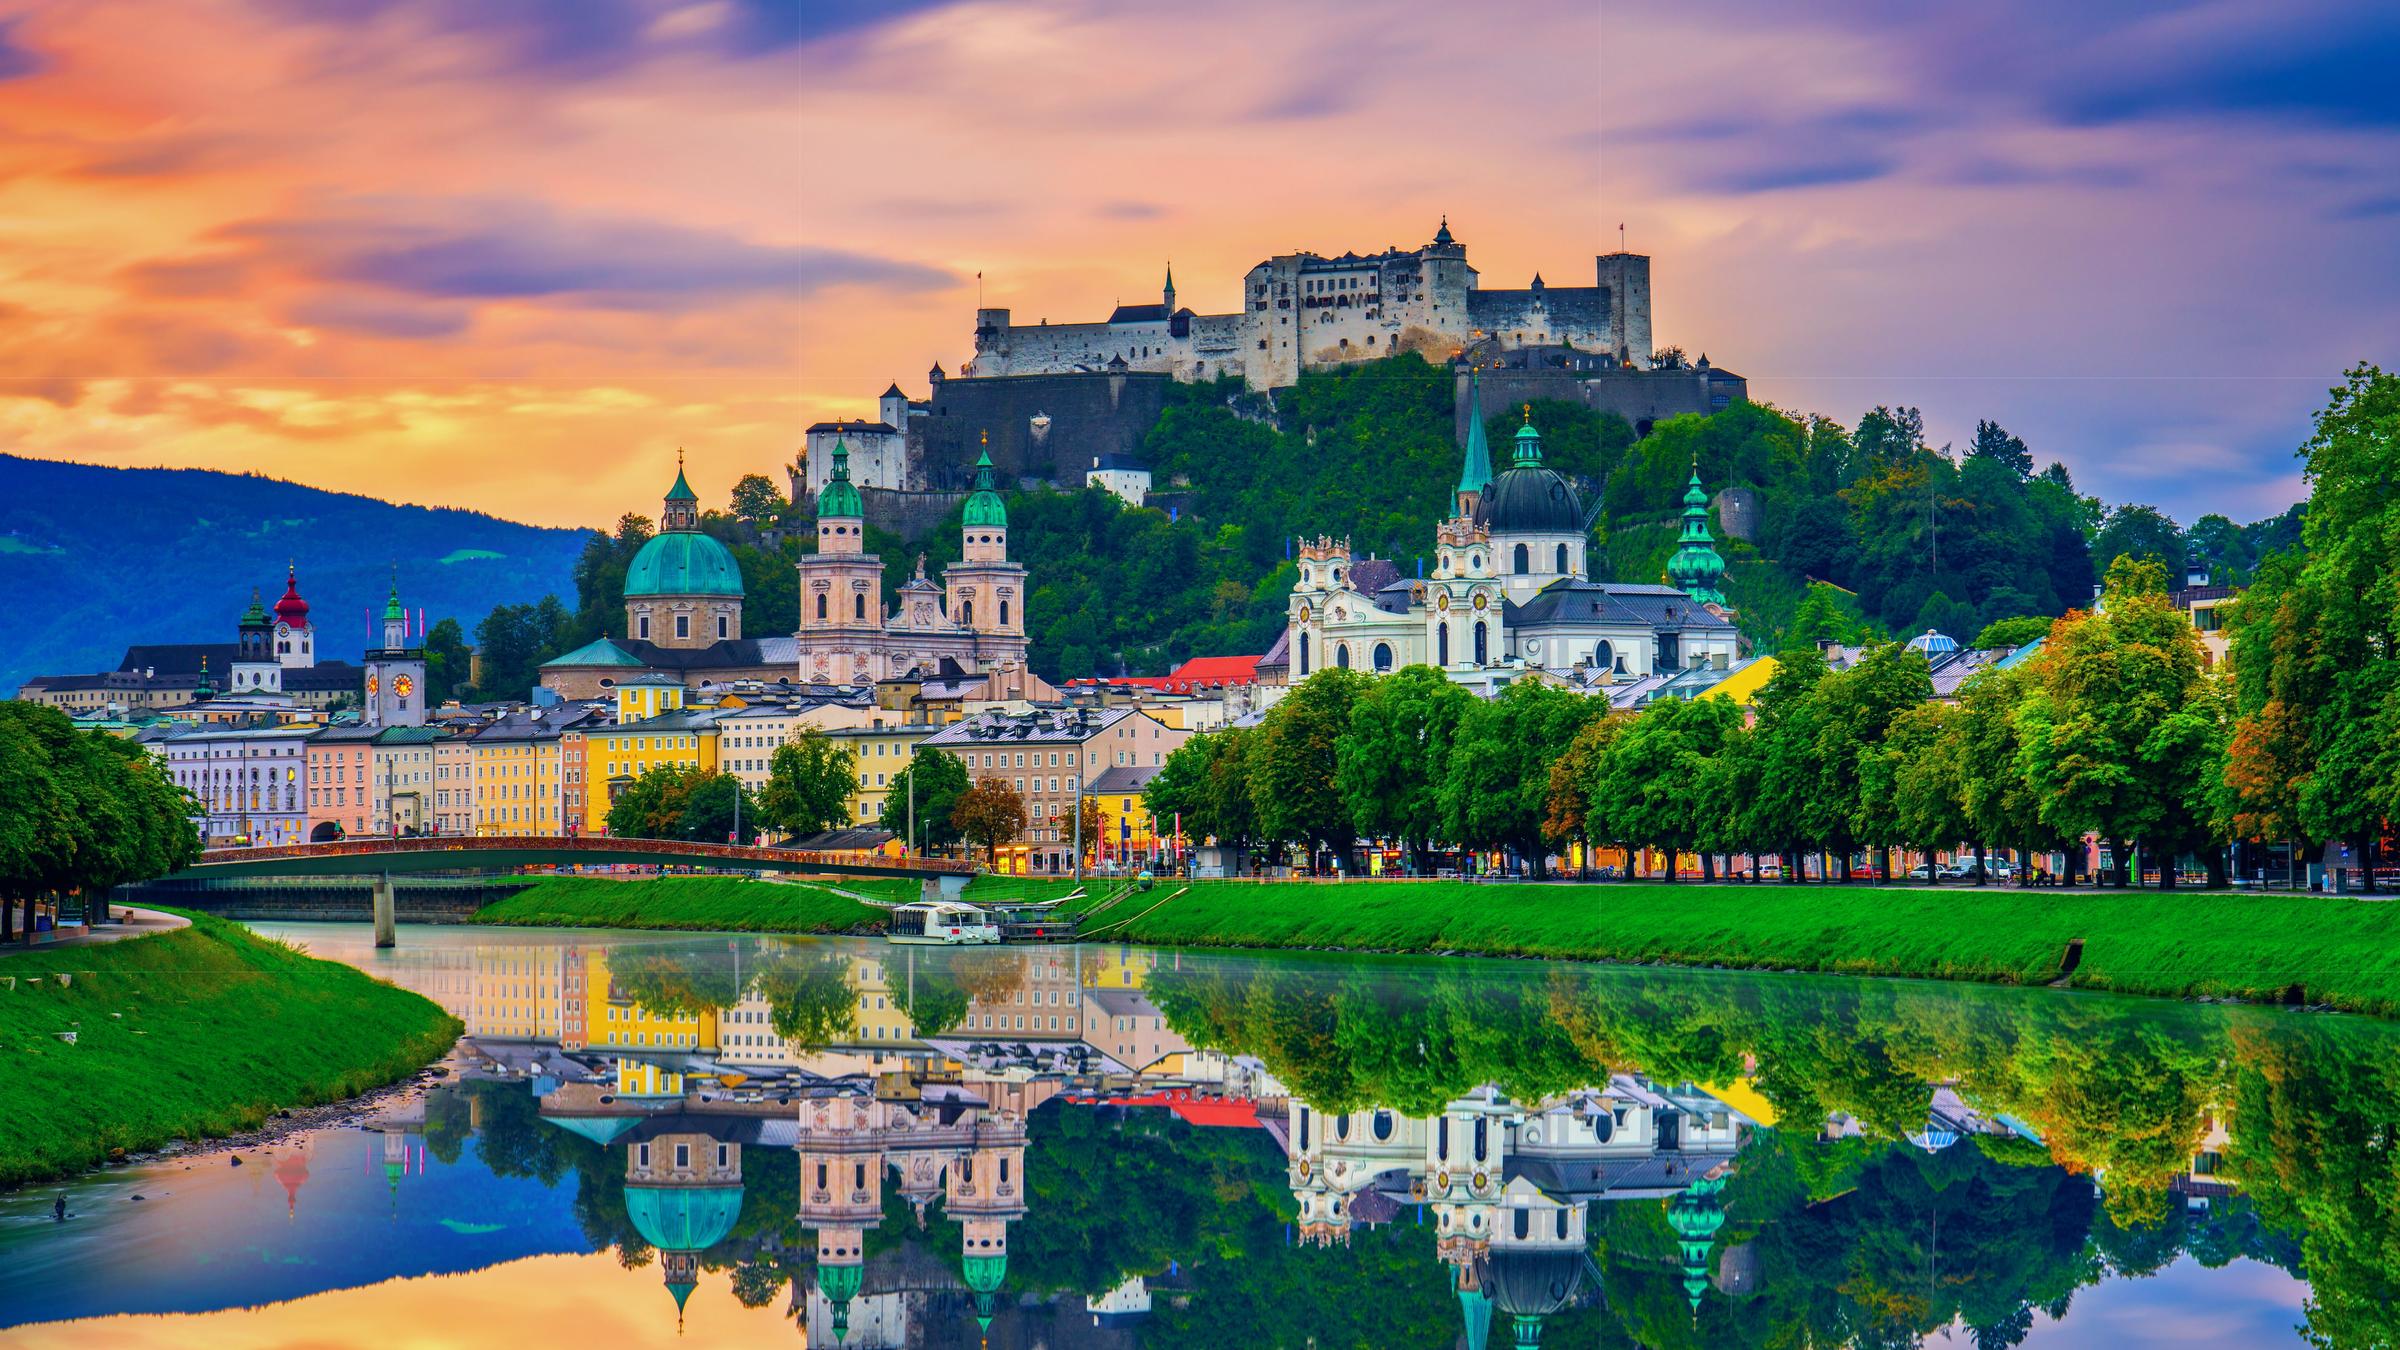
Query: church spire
[682, 509]
[1696, 568]
[1475, 476]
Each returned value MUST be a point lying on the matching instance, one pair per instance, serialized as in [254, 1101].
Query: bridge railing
[598, 847]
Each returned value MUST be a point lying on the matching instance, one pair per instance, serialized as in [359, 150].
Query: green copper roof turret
[256, 615]
[682, 491]
[1696, 569]
[1476, 475]
[839, 497]
[1529, 441]
[392, 613]
[985, 509]
[1696, 1216]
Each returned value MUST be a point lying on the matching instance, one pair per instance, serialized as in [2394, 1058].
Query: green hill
[93, 559]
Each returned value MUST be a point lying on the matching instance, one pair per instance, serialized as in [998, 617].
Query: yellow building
[653, 730]
[520, 993]
[516, 770]
[882, 752]
[622, 1024]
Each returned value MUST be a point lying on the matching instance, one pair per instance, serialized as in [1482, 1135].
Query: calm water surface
[744, 1141]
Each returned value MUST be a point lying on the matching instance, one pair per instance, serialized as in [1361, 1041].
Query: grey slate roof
[1576, 601]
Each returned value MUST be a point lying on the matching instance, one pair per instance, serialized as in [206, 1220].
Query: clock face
[283, 630]
[1482, 601]
[402, 686]
[374, 686]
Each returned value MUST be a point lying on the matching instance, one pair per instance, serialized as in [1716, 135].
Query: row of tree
[81, 811]
[2113, 730]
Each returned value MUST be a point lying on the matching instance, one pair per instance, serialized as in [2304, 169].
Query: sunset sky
[508, 254]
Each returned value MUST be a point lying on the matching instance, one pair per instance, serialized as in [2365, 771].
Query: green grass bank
[204, 1031]
[2338, 951]
[713, 904]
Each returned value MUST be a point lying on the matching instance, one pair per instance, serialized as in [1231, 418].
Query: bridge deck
[439, 853]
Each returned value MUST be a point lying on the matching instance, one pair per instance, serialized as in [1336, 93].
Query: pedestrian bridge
[500, 853]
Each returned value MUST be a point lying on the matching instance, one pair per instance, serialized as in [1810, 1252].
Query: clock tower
[395, 671]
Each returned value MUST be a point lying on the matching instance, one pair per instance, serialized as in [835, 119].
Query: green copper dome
[839, 497]
[683, 562]
[1529, 442]
[1696, 569]
[683, 1218]
[984, 507]
[256, 615]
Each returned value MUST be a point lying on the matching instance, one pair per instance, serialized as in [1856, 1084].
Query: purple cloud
[17, 60]
[379, 318]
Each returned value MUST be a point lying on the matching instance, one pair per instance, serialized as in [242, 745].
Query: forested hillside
[1896, 535]
[93, 559]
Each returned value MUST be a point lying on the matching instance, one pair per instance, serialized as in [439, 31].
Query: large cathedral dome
[1530, 498]
[683, 563]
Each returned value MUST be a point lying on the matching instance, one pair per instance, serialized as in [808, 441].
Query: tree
[1567, 807]
[1390, 760]
[447, 662]
[717, 809]
[82, 811]
[1094, 828]
[756, 502]
[989, 814]
[2013, 632]
[1993, 442]
[514, 641]
[1649, 784]
[1921, 769]
[2142, 532]
[1855, 711]
[2120, 736]
[652, 806]
[810, 781]
[1203, 789]
[1779, 761]
[933, 782]
[1494, 792]
[1294, 763]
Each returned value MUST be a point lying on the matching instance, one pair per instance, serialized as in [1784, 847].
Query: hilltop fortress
[1069, 404]
[1301, 311]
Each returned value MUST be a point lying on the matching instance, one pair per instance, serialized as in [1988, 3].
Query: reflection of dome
[292, 1170]
[683, 562]
[683, 1218]
[840, 1284]
[601, 1130]
[983, 1275]
[1696, 1216]
[1531, 1285]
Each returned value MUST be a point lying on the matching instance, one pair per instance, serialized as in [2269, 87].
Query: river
[762, 1141]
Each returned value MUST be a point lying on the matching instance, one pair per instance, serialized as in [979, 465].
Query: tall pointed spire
[1475, 476]
[1696, 567]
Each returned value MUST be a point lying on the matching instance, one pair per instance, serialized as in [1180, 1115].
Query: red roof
[291, 608]
[1222, 1112]
[1218, 670]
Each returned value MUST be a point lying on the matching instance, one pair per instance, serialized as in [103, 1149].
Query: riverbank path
[136, 923]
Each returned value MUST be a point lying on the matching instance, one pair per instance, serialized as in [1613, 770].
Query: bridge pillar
[385, 936]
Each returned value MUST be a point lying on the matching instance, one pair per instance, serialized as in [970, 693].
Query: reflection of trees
[2317, 1146]
[935, 985]
[810, 1002]
[679, 980]
[447, 1115]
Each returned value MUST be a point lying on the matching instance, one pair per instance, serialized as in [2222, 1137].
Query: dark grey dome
[1534, 1284]
[1530, 499]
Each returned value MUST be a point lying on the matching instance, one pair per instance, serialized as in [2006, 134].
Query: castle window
[1383, 657]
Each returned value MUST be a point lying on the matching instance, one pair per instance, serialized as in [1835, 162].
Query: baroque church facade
[1509, 589]
[684, 592]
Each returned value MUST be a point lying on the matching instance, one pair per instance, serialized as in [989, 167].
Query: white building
[250, 781]
[1120, 476]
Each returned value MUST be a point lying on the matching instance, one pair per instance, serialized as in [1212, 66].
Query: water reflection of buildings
[1510, 1184]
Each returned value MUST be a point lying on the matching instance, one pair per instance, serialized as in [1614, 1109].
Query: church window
[1524, 560]
[858, 606]
[966, 612]
[1560, 1219]
[820, 607]
[1483, 1138]
[683, 625]
[643, 624]
[1562, 560]
[1524, 1221]
[1341, 655]
[1482, 645]
[1443, 1137]
[1441, 648]
[1304, 653]
[1004, 613]
[1382, 1126]
[1604, 655]
[1383, 657]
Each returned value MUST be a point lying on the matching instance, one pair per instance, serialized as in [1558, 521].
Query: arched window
[1483, 654]
[1383, 657]
[1382, 1126]
[1524, 1221]
[1004, 614]
[1562, 559]
[1442, 1140]
[1604, 656]
[1304, 653]
[966, 613]
[1441, 645]
[1524, 560]
[858, 605]
[1341, 655]
[821, 607]
[1483, 1139]
[1561, 1220]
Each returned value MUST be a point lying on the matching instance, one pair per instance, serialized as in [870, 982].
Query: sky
[512, 256]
